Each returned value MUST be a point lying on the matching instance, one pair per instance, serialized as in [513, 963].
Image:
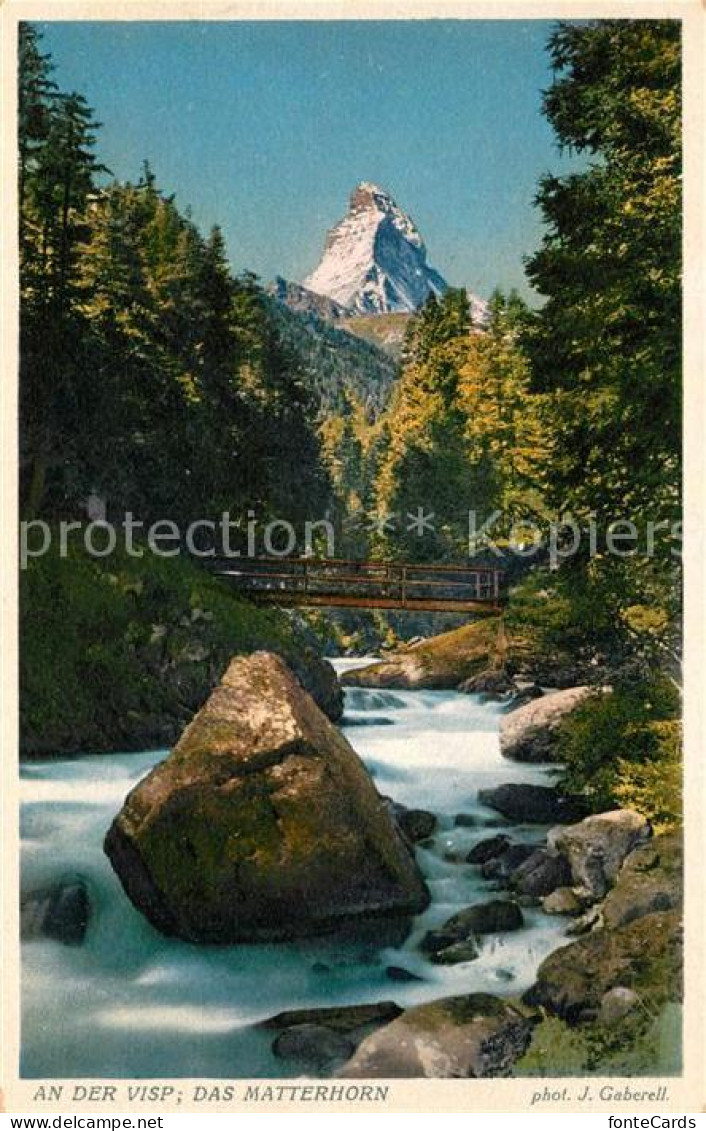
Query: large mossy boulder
[262, 823]
[476, 1035]
[530, 733]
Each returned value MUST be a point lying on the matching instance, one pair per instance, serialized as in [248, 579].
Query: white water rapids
[131, 1003]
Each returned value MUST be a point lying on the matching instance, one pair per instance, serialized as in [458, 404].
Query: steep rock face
[336, 364]
[375, 261]
[262, 823]
[303, 301]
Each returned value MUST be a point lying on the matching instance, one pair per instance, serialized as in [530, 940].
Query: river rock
[401, 974]
[416, 824]
[489, 684]
[523, 691]
[597, 846]
[313, 1046]
[590, 919]
[479, 919]
[563, 901]
[532, 804]
[465, 951]
[318, 677]
[616, 1004]
[540, 874]
[339, 1018]
[644, 956]
[486, 919]
[651, 879]
[487, 849]
[501, 867]
[529, 734]
[441, 662]
[321, 1040]
[262, 823]
[472, 1036]
[465, 821]
[60, 911]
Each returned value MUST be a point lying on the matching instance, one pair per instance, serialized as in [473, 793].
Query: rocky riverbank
[261, 758]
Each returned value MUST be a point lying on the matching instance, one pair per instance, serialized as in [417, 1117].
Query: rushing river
[131, 1003]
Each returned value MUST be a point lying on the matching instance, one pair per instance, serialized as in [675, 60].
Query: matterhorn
[375, 261]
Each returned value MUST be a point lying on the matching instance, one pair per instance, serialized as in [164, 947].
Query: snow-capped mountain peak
[374, 260]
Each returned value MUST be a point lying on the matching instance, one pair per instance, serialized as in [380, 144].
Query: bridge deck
[337, 583]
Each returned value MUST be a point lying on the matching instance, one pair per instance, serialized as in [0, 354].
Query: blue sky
[265, 128]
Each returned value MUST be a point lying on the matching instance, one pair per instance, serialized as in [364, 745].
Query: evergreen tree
[36, 93]
[57, 171]
[426, 466]
[606, 345]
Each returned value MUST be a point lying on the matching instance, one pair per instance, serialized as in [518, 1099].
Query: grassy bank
[118, 654]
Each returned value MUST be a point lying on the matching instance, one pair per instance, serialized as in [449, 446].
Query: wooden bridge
[338, 583]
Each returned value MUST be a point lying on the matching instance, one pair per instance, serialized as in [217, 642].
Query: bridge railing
[389, 581]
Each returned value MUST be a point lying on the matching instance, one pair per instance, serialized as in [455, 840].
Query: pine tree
[605, 347]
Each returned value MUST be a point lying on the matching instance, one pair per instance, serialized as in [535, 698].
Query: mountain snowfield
[375, 261]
